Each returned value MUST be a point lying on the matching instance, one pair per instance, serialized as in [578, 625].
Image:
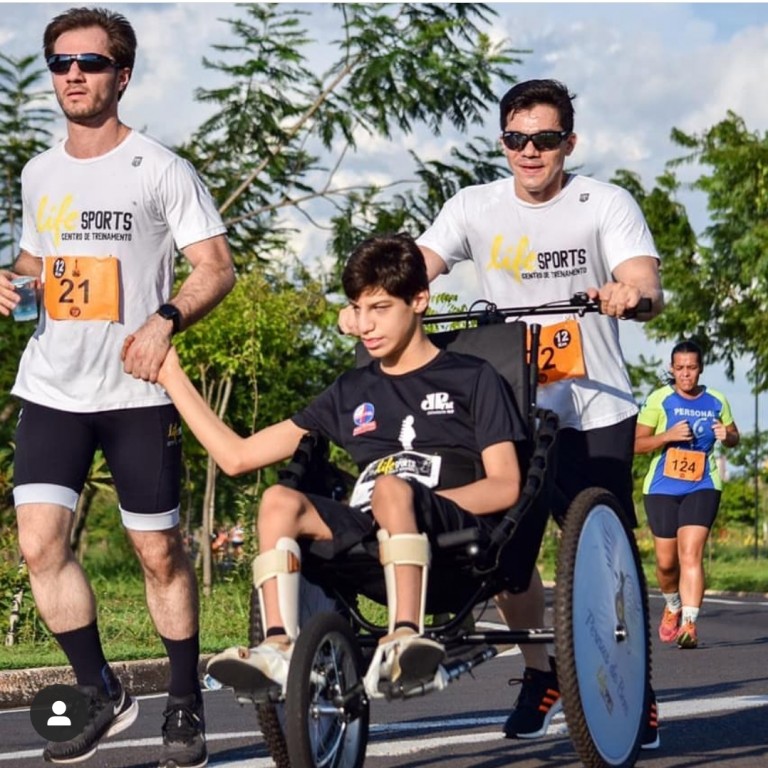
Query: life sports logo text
[523, 263]
[61, 220]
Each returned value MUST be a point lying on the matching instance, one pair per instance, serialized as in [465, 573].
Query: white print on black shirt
[437, 402]
[407, 433]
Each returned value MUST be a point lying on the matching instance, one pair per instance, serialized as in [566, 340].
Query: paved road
[712, 700]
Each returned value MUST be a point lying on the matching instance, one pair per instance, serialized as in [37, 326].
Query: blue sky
[639, 70]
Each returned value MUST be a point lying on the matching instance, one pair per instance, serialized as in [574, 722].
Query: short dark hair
[526, 95]
[688, 347]
[392, 262]
[122, 38]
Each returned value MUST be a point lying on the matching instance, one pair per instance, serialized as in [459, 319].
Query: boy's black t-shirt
[455, 406]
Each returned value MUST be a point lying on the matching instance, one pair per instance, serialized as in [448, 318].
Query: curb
[18, 687]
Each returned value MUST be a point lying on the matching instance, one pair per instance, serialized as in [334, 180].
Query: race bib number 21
[82, 288]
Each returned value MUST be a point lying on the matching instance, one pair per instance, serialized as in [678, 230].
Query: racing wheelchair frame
[601, 620]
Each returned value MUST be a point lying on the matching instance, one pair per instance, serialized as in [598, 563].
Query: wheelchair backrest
[503, 345]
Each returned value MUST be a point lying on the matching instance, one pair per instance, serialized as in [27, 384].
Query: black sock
[183, 656]
[276, 631]
[407, 625]
[83, 649]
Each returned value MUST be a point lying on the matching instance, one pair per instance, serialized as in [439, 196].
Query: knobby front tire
[271, 716]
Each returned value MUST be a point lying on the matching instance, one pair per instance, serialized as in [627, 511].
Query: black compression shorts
[668, 513]
[142, 447]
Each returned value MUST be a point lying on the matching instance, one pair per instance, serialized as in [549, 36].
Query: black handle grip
[643, 306]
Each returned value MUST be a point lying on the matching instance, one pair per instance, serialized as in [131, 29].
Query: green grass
[126, 629]
[128, 632]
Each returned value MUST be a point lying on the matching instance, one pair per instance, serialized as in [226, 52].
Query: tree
[283, 135]
[23, 133]
[259, 357]
[284, 150]
[718, 285]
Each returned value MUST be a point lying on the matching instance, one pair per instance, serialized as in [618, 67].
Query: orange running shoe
[669, 626]
[686, 637]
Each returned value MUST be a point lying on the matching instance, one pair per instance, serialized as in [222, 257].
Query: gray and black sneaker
[108, 714]
[184, 733]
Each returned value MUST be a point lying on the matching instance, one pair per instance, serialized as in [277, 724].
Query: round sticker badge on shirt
[364, 417]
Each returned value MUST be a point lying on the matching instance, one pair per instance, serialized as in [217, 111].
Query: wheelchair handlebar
[579, 304]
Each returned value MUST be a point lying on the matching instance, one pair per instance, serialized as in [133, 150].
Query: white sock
[690, 614]
[673, 601]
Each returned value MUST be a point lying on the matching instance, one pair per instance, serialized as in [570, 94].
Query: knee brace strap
[285, 559]
[403, 548]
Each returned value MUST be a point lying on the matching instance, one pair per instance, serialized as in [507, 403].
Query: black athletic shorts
[434, 515]
[142, 447]
[596, 457]
[666, 514]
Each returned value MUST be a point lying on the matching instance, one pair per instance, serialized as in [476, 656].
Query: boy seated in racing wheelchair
[413, 411]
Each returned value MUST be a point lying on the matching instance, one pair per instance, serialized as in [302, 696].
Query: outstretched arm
[233, 453]
[211, 279]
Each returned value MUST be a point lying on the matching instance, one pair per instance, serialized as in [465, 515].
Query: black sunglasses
[543, 140]
[90, 63]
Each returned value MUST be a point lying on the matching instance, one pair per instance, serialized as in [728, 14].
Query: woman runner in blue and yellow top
[683, 421]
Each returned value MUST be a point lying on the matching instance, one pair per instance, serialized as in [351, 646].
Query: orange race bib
[82, 288]
[681, 464]
[561, 355]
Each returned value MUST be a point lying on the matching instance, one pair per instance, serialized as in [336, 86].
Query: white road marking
[385, 741]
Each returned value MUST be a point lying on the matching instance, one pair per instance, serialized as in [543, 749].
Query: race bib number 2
[82, 288]
[561, 355]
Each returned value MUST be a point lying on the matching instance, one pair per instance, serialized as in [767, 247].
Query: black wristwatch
[170, 312]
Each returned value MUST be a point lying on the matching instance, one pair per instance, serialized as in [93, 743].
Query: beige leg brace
[282, 563]
[403, 549]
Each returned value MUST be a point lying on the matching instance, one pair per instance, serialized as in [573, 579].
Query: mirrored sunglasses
[90, 63]
[543, 140]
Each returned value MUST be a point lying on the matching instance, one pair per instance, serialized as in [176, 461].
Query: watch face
[169, 312]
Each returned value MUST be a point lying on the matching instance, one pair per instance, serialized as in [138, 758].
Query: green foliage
[717, 285]
[751, 452]
[275, 342]
[366, 213]
[24, 131]
[125, 626]
[736, 504]
[282, 133]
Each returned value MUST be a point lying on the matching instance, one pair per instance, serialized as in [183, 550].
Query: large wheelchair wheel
[323, 729]
[602, 636]
[271, 716]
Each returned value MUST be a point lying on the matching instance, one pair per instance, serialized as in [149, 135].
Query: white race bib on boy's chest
[424, 468]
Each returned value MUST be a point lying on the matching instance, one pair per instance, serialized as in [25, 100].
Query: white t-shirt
[136, 204]
[527, 254]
